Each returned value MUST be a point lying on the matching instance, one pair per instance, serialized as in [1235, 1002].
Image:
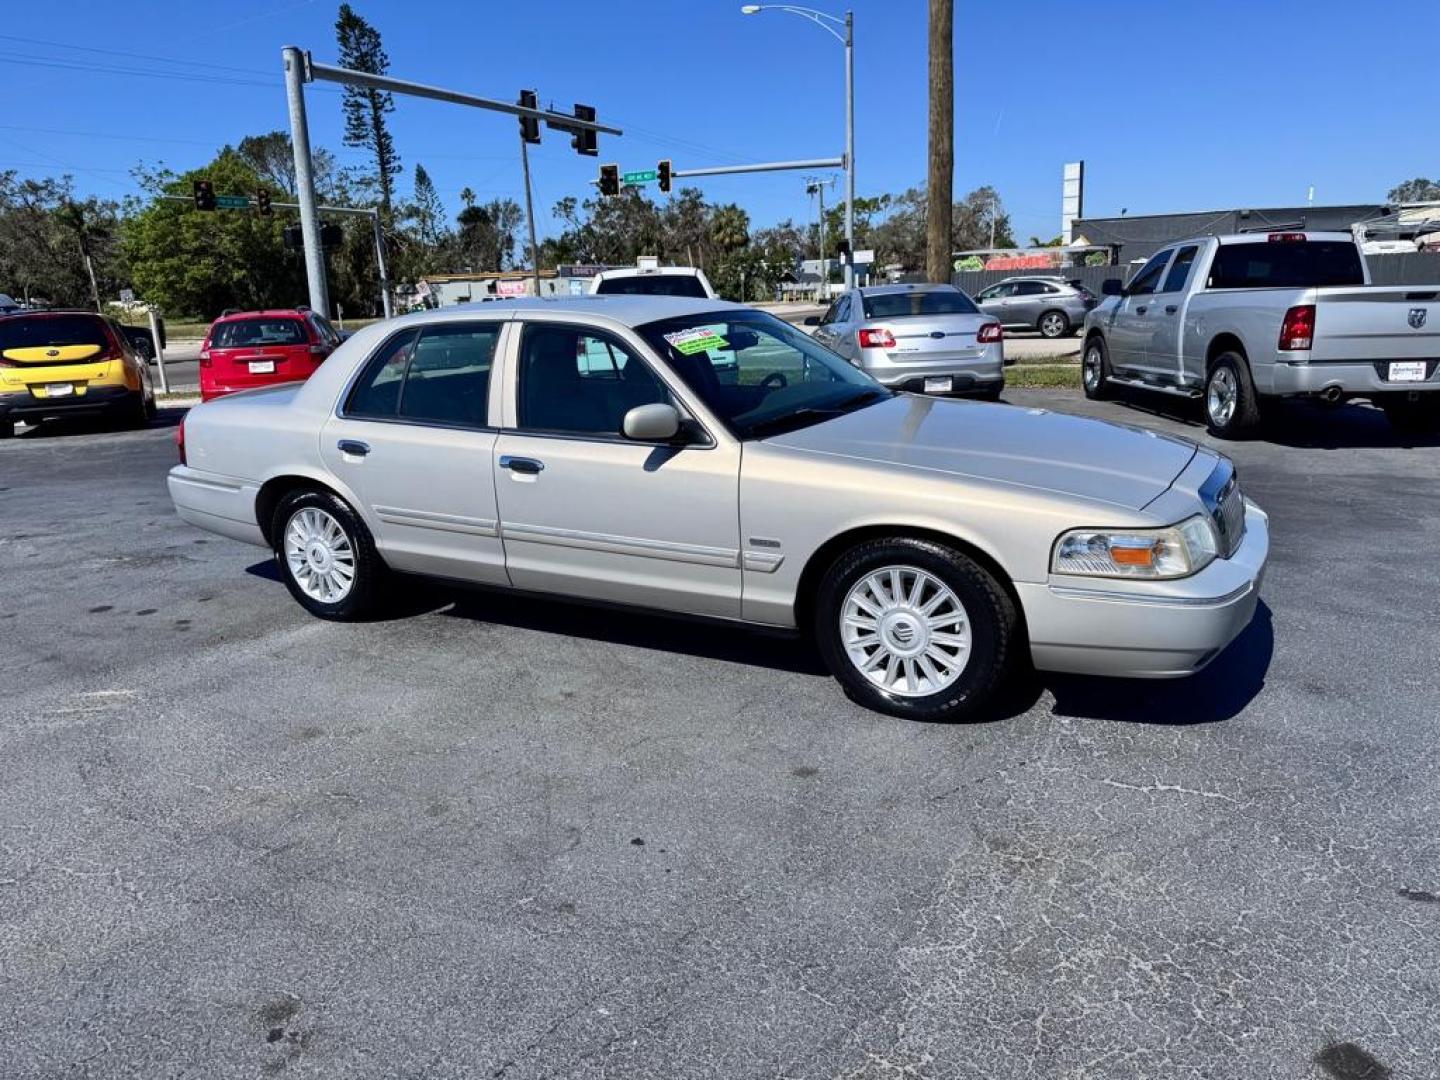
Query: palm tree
[467, 197]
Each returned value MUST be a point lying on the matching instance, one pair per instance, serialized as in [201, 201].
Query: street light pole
[823, 20]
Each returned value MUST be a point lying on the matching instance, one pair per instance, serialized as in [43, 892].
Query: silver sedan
[931, 339]
[704, 458]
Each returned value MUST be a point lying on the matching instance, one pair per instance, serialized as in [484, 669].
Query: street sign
[232, 202]
[643, 176]
[864, 257]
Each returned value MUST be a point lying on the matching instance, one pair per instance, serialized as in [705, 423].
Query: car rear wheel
[1095, 370]
[7, 429]
[915, 629]
[1408, 417]
[1054, 324]
[326, 555]
[1232, 408]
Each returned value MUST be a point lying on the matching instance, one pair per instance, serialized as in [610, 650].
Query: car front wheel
[1095, 370]
[915, 629]
[326, 555]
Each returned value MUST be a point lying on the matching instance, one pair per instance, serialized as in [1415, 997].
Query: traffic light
[662, 173]
[204, 195]
[609, 179]
[583, 141]
[842, 248]
[262, 202]
[529, 125]
[293, 237]
[331, 236]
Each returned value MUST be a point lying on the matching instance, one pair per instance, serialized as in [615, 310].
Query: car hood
[1035, 448]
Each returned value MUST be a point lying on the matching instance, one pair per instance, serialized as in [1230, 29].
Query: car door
[831, 329]
[1025, 306]
[996, 301]
[585, 511]
[413, 440]
[1128, 333]
[1162, 355]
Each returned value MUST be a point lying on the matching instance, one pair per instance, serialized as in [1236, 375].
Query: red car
[246, 349]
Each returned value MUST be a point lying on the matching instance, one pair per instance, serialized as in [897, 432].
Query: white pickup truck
[1237, 320]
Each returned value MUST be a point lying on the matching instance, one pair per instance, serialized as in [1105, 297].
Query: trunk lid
[1376, 323]
[256, 351]
[933, 337]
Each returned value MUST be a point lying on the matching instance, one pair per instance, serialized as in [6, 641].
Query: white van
[649, 278]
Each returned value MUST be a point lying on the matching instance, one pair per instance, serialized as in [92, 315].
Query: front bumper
[1361, 378]
[1147, 630]
[95, 400]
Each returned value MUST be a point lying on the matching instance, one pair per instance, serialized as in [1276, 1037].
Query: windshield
[759, 375]
[241, 333]
[28, 331]
[899, 305]
[653, 285]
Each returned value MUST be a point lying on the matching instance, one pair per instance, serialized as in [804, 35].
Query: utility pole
[379, 232]
[850, 146]
[992, 223]
[530, 214]
[305, 180]
[940, 187]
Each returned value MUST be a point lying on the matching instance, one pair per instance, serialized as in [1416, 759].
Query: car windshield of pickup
[759, 375]
[1286, 264]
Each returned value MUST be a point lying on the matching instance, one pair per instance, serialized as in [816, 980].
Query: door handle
[526, 465]
[1142, 309]
[1170, 309]
[353, 446]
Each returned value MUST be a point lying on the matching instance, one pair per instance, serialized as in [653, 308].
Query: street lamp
[825, 21]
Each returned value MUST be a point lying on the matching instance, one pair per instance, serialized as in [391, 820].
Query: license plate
[262, 367]
[59, 389]
[937, 385]
[1407, 371]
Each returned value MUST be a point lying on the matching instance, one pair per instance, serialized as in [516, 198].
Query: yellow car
[69, 363]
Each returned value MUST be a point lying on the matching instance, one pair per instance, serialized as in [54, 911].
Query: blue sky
[1173, 105]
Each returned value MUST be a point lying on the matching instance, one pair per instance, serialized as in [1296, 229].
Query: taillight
[1298, 329]
[319, 351]
[875, 339]
[1286, 237]
[180, 440]
[989, 333]
[204, 357]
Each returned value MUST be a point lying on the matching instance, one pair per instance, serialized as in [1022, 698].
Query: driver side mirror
[812, 320]
[1112, 287]
[658, 422]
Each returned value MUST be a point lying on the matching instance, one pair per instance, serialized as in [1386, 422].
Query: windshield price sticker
[699, 339]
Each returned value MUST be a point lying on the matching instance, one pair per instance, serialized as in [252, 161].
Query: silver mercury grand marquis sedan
[708, 459]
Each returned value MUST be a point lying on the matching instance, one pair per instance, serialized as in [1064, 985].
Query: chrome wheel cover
[1220, 396]
[319, 555]
[1090, 369]
[905, 631]
[1052, 325]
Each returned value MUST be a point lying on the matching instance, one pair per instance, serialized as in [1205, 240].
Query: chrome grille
[1221, 492]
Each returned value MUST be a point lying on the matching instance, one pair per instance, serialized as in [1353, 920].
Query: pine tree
[365, 109]
[429, 210]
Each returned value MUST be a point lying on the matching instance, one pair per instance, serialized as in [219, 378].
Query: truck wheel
[1232, 408]
[915, 629]
[1412, 417]
[1054, 324]
[1095, 370]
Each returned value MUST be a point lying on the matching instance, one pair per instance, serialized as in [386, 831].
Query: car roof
[264, 313]
[51, 311]
[891, 290]
[628, 310]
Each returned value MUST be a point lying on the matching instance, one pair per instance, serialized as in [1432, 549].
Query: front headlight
[1174, 552]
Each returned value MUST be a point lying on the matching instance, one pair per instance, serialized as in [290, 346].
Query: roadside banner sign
[513, 288]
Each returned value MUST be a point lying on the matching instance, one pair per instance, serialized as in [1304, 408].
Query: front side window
[759, 375]
[1149, 276]
[1180, 269]
[576, 381]
[440, 375]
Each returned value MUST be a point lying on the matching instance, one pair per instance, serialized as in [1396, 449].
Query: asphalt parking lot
[509, 838]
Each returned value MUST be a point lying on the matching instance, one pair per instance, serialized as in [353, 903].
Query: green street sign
[232, 202]
[644, 176]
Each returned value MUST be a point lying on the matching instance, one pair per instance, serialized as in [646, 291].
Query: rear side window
[1030, 288]
[919, 302]
[653, 285]
[1180, 269]
[29, 331]
[440, 375]
[254, 333]
[1286, 264]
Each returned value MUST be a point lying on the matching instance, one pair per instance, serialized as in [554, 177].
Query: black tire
[369, 571]
[135, 415]
[7, 429]
[993, 627]
[1053, 324]
[1231, 372]
[1409, 417]
[990, 394]
[1095, 370]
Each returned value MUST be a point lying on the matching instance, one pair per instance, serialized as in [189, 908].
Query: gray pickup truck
[1239, 320]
